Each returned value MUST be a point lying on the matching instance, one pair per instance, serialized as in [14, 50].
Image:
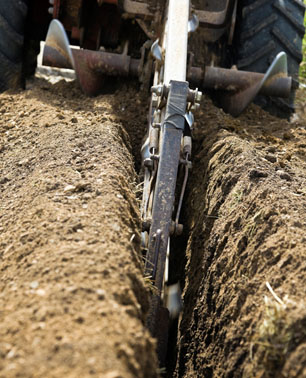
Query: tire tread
[264, 28]
[12, 24]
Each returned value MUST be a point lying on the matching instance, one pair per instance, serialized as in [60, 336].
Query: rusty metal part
[56, 8]
[235, 103]
[234, 80]
[239, 88]
[90, 66]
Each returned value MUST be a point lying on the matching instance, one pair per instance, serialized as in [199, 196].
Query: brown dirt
[73, 300]
[72, 297]
[246, 218]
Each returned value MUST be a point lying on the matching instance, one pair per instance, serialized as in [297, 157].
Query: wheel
[265, 28]
[13, 15]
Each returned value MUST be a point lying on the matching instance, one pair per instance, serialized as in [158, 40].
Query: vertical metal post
[176, 41]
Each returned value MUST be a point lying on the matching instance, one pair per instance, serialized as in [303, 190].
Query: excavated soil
[72, 297]
[73, 301]
[245, 269]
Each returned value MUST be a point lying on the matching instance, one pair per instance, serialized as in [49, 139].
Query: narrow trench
[176, 274]
[177, 265]
[233, 242]
[178, 257]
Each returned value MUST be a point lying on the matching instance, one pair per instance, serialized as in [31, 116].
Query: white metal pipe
[176, 40]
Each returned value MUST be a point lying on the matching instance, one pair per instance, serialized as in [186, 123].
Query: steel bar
[176, 41]
[234, 81]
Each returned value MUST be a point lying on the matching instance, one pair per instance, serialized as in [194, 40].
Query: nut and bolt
[157, 89]
[148, 163]
[198, 96]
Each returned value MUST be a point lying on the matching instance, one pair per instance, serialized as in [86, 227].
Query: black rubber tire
[13, 15]
[265, 28]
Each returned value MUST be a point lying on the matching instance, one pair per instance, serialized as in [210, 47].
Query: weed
[274, 335]
[237, 196]
[150, 285]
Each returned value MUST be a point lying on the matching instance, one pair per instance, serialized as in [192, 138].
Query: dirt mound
[73, 300]
[244, 291]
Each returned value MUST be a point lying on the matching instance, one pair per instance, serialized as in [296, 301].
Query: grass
[280, 331]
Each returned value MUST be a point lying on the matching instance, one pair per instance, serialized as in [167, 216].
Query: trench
[244, 222]
[244, 194]
[242, 248]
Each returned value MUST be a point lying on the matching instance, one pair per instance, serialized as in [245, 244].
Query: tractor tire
[13, 15]
[265, 28]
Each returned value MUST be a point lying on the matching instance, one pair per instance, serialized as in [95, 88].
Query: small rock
[69, 188]
[74, 120]
[284, 175]
[4, 180]
[10, 354]
[271, 158]
[116, 227]
[101, 294]
[271, 149]
[86, 196]
[23, 162]
[287, 136]
[34, 285]
[80, 320]
[254, 173]
[82, 186]
[41, 292]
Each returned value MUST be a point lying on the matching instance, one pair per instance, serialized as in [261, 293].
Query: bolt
[198, 96]
[148, 163]
[154, 100]
[157, 89]
[179, 229]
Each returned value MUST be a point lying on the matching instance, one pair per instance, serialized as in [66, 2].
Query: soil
[245, 284]
[72, 297]
[73, 301]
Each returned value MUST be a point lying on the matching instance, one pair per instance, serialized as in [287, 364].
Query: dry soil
[73, 301]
